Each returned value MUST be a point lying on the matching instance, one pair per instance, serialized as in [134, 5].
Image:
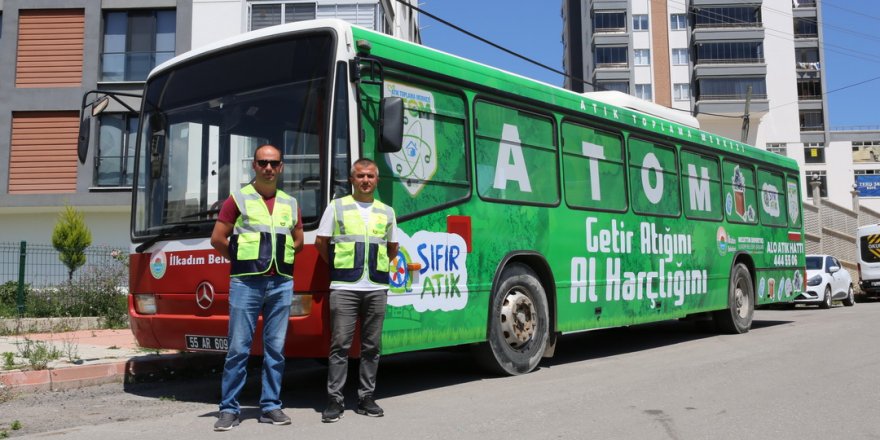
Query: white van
[868, 257]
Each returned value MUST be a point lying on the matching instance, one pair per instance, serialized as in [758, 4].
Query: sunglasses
[263, 162]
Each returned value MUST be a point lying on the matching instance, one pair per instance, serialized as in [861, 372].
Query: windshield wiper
[166, 232]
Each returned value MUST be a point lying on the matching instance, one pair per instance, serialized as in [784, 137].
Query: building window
[681, 92]
[819, 176]
[609, 22]
[743, 16]
[619, 86]
[614, 56]
[814, 152]
[809, 88]
[778, 148]
[265, 14]
[680, 57]
[642, 57]
[114, 160]
[866, 151]
[640, 22]
[807, 58]
[867, 182]
[730, 88]
[805, 28]
[135, 42]
[812, 120]
[730, 52]
[643, 91]
[678, 22]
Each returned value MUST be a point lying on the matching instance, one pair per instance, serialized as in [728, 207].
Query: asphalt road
[799, 374]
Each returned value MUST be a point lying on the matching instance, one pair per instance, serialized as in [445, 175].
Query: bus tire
[737, 317]
[518, 323]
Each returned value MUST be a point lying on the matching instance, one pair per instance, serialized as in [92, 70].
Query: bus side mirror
[85, 124]
[82, 140]
[391, 121]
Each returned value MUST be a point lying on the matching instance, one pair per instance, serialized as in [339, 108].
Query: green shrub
[9, 298]
[70, 238]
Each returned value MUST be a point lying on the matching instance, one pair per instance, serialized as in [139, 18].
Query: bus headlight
[145, 304]
[301, 305]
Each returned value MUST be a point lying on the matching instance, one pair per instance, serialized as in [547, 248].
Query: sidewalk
[93, 357]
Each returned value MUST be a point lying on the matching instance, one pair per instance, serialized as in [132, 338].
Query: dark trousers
[345, 309]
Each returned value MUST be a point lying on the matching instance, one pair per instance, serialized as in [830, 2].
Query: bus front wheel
[518, 323]
[737, 317]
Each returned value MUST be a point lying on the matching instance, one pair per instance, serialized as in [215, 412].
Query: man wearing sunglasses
[259, 229]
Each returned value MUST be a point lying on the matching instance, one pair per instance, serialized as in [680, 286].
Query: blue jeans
[249, 296]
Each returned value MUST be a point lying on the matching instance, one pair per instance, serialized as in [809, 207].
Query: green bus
[525, 211]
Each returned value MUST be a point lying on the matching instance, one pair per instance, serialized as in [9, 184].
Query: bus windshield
[203, 119]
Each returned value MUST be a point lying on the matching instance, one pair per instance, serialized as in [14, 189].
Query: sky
[533, 28]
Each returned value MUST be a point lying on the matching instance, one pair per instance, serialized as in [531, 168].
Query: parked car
[868, 258]
[827, 281]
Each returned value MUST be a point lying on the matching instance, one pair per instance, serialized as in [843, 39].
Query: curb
[135, 370]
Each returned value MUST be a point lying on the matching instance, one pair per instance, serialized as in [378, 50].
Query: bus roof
[624, 100]
[341, 28]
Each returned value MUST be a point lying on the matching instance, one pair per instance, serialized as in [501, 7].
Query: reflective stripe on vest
[353, 243]
[260, 240]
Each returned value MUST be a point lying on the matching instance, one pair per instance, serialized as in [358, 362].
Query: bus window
[593, 169]
[772, 207]
[792, 190]
[653, 179]
[701, 186]
[739, 193]
[431, 170]
[516, 155]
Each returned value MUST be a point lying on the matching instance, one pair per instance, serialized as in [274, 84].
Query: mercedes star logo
[205, 295]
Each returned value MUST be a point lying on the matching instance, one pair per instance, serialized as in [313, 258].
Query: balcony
[808, 67]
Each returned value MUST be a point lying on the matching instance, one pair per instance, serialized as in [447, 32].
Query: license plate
[875, 283]
[210, 343]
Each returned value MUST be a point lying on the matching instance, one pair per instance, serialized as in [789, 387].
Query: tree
[70, 238]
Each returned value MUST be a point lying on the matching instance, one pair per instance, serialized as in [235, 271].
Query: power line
[859, 13]
[491, 43]
[773, 32]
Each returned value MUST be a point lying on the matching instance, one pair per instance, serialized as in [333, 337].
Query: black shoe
[275, 417]
[226, 421]
[367, 406]
[333, 412]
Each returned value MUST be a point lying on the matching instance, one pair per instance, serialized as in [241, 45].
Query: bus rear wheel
[737, 318]
[518, 323]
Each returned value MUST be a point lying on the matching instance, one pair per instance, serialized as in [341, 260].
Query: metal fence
[35, 282]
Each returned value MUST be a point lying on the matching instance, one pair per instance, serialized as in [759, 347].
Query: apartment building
[56, 50]
[720, 60]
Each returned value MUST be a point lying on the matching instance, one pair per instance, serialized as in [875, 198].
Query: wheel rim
[828, 297]
[742, 301]
[518, 319]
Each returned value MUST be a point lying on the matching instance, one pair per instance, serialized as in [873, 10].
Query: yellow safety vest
[260, 240]
[358, 250]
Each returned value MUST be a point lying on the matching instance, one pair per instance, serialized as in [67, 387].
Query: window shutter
[50, 48]
[42, 157]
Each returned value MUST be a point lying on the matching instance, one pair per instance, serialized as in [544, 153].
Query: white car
[827, 281]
